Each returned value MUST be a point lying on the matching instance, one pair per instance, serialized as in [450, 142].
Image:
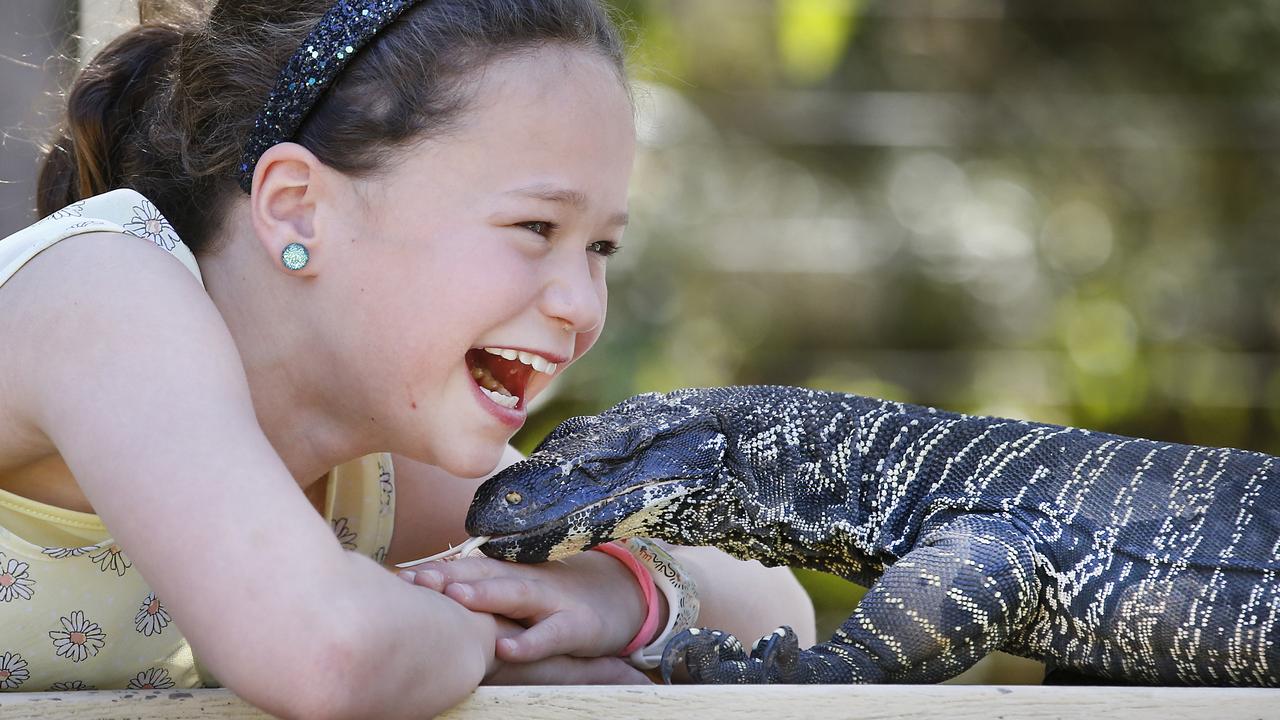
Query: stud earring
[295, 256]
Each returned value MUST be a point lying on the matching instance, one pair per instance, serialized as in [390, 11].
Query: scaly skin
[1121, 559]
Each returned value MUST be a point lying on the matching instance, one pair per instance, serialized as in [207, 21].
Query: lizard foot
[709, 656]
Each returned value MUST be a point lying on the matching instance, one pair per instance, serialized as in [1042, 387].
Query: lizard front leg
[948, 602]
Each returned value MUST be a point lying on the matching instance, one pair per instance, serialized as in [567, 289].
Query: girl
[286, 240]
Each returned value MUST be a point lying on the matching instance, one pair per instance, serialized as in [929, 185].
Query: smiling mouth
[503, 374]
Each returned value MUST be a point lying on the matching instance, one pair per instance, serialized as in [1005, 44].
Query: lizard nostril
[514, 498]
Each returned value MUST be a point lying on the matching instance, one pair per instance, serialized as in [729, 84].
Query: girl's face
[494, 234]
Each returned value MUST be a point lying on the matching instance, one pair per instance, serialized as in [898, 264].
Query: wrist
[640, 580]
[676, 586]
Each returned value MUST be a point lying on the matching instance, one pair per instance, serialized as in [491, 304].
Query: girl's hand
[586, 606]
[560, 669]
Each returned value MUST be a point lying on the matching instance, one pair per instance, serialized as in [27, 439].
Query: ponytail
[101, 145]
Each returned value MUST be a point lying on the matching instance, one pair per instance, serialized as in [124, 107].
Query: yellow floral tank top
[74, 613]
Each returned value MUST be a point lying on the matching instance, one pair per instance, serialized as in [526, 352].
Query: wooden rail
[867, 702]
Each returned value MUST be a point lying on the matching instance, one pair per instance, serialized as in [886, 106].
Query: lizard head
[628, 471]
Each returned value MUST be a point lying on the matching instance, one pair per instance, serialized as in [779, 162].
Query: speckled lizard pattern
[1117, 558]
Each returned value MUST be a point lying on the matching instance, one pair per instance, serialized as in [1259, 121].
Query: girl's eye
[604, 248]
[541, 227]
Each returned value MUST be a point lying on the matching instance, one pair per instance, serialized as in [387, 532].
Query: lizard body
[1118, 558]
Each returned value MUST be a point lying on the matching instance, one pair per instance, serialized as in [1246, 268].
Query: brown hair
[167, 107]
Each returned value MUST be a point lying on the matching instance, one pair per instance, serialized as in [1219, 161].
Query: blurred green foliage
[1053, 211]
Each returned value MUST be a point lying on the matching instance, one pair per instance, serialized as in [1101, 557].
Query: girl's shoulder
[93, 293]
[123, 212]
[79, 273]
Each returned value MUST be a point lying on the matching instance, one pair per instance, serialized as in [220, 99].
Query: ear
[288, 183]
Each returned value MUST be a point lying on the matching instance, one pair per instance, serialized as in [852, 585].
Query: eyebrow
[565, 196]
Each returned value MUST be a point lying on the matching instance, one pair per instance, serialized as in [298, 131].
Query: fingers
[515, 598]
[476, 568]
[426, 578]
[555, 629]
[561, 670]
[438, 575]
[495, 587]
[562, 633]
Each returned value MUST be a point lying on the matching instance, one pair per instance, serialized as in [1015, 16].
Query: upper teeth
[538, 362]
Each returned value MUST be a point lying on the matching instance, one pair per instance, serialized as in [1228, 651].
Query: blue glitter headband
[344, 29]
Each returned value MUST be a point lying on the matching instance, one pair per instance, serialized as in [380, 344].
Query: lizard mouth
[623, 514]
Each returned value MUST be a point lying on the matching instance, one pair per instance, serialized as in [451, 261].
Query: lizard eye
[514, 498]
[594, 469]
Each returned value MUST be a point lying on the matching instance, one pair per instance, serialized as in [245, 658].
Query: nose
[573, 295]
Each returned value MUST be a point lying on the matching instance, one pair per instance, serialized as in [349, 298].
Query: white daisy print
[59, 553]
[15, 583]
[346, 535]
[79, 638]
[72, 210]
[111, 558]
[152, 679]
[380, 555]
[148, 223]
[70, 685]
[152, 617]
[13, 671]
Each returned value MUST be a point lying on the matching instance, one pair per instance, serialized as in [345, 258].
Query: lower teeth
[506, 401]
[494, 389]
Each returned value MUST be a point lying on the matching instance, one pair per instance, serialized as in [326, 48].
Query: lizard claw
[778, 653]
[709, 656]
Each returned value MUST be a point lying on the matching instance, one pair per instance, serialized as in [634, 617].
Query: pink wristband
[622, 555]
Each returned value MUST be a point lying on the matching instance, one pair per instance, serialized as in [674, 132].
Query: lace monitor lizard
[1118, 558]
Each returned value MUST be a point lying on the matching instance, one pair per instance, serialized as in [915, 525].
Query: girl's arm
[608, 608]
[129, 372]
